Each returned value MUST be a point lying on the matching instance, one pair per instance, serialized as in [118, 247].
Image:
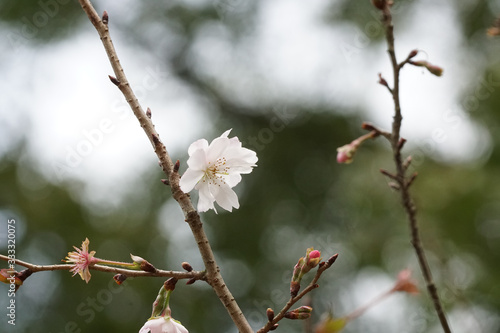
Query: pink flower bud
[405, 283]
[345, 153]
[314, 254]
[436, 70]
[312, 260]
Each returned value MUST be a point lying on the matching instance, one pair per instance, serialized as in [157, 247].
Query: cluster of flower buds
[304, 265]
[304, 312]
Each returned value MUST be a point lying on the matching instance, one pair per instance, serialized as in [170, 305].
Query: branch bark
[403, 181]
[214, 278]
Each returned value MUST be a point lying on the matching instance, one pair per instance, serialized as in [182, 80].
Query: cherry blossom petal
[198, 144]
[227, 198]
[190, 179]
[163, 325]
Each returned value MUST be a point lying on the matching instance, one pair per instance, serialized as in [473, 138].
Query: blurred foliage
[297, 197]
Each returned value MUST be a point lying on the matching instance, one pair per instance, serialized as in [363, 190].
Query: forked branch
[403, 181]
[214, 278]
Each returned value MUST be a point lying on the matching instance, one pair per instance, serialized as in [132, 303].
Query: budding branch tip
[412, 179]
[114, 80]
[105, 17]
[401, 143]
[332, 259]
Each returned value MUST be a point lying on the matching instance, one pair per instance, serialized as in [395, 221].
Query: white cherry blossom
[215, 169]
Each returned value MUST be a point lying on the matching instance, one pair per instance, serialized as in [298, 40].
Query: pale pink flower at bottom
[163, 325]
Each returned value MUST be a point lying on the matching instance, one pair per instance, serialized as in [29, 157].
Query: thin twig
[214, 278]
[311, 286]
[401, 167]
[127, 272]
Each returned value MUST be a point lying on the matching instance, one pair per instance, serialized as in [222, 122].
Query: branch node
[177, 165]
[165, 181]
[148, 113]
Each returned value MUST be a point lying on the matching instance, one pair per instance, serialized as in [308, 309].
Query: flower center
[215, 172]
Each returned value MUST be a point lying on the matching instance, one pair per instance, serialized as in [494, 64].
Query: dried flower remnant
[81, 260]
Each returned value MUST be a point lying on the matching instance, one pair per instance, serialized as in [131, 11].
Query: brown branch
[116, 270]
[271, 324]
[401, 167]
[214, 278]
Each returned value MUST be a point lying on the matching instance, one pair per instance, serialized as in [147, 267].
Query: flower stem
[118, 263]
[359, 311]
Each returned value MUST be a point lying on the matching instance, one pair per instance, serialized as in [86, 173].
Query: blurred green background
[297, 197]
